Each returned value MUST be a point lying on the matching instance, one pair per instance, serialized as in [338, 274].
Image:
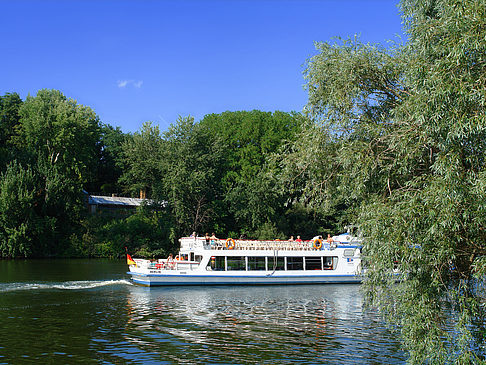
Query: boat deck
[264, 245]
[245, 245]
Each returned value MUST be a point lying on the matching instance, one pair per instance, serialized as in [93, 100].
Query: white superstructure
[248, 262]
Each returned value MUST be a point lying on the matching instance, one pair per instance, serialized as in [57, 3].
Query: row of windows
[243, 263]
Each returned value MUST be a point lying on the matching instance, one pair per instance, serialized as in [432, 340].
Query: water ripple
[67, 285]
[301, 324]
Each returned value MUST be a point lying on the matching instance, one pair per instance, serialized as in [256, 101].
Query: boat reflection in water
[257, 324]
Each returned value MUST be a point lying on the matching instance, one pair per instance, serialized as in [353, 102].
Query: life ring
[177, 258]
[317, 244]
[230, 243]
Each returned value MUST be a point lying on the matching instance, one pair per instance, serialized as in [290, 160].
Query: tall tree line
[215, 175]
[219, 175]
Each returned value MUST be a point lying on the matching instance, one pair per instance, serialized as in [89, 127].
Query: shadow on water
[96, 315]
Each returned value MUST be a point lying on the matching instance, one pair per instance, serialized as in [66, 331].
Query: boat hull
[178, 279]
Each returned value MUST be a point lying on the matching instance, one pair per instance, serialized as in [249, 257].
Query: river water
[87, 311]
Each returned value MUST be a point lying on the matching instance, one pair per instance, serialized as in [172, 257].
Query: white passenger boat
[251, 262]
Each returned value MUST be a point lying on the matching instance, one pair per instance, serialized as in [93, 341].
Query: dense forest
[393, 140]
[216, 175]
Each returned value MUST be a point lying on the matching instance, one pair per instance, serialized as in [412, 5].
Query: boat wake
[68, 285]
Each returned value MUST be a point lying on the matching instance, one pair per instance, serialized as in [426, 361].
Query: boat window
[330, 263]
[276, 263]
[256, 263]
[198, 258]
[235, 263]
[313, 263]
[349, 252]
[295, 263]
[216, 263]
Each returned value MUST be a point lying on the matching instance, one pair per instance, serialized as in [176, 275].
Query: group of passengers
[212, 241]
[298, 240]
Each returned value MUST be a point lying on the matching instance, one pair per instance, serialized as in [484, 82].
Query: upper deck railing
[231, 244]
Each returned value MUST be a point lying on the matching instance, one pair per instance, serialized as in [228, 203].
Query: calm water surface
[87, 311]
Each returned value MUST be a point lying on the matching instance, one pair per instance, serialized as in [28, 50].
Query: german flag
[130, 260]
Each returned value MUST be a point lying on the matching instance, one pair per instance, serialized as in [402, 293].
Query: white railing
[223, 244]
[166, 264]
[264, 245]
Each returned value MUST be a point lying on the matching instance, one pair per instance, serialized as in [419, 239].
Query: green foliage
[23, 227]
[141, 156]
[59, 131]
[144, 233]
[251, 196]
[110, 164]
[10, 104]
[178, 169]
[191, 168]
[406, 132]
[215, 175]
[249, 137]
[268, 231]
[56, 140]
[315, 183]
[39, 208]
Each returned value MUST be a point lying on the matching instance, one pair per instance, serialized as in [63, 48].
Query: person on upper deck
[213, 240]
[298, 239]
[170, 262]
[207, 238]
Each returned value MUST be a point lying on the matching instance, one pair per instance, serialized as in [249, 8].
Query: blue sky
[137, 61]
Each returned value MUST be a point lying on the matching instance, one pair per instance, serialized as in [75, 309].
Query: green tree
[22, 223]
[180, 171]
[191, 170]
[62, 132]
[406, 127]
[144, 233]
[309, 178]
[10, 104]
[110, 164]
[249, 138]
[142, 153]
[60, 141]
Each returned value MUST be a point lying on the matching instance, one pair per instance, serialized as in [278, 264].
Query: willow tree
[406, 130]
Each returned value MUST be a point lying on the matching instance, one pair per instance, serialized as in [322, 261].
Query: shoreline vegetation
[208, 176]
[393, 140]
